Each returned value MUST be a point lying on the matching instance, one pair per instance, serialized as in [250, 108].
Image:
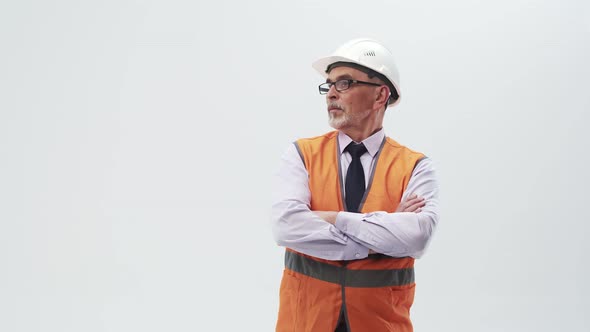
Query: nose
[332, 93]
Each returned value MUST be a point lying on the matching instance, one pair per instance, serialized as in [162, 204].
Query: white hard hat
[366, 53]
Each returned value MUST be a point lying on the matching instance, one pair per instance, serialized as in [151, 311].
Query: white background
[138, 140]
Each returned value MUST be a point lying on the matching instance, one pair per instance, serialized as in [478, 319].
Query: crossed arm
[412, 203]
[344, 235]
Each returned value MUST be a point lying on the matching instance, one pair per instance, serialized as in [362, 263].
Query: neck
[370, 126]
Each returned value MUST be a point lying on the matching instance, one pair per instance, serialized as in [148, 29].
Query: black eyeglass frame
[326, 86]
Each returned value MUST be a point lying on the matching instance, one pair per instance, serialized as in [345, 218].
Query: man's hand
[412, 203]
[328, 216]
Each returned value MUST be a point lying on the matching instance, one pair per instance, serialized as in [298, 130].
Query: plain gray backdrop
[138, 141]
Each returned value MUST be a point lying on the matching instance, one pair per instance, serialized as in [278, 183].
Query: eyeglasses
[341, 85]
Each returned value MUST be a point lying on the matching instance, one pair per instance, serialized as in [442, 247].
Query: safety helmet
[367, 53]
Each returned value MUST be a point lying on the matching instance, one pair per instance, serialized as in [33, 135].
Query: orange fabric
[312, 305]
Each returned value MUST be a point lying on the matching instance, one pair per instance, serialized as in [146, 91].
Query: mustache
[332, 105]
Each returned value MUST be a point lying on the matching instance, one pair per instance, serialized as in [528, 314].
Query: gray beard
[345, 119]
[338, 122]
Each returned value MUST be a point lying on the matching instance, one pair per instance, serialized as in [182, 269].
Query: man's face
[352, 107]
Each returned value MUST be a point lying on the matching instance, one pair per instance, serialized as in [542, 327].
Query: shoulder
[316, 142]
[424, 164]
[324, 137]
[393, 144]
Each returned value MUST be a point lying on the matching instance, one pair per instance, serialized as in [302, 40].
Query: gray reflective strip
[352, 278]
[299, 151]
[342, 198]
[372, 174]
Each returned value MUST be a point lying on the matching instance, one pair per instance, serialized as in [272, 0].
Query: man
[353, 207]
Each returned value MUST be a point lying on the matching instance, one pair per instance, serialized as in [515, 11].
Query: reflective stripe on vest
[352, 278]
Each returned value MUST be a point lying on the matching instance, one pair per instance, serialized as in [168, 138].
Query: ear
[382, 96]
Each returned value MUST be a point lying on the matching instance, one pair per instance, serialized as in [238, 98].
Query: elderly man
[353, 207]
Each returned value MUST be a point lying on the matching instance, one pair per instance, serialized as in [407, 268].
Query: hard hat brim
[321, 65]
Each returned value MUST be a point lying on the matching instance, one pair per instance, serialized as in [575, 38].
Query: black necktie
[355, 177]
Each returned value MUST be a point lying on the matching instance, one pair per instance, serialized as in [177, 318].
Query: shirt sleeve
[295, 226]
[398, 234]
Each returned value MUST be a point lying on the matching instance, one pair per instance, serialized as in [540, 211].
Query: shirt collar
[372, 143]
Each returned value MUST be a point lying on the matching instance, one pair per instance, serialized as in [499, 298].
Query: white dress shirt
[397, 234]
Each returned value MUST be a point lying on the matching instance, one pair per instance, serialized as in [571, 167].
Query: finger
[409, 197]
[419, 203]
[416, 198]
[413, 201]
[401, 207]
[415, 206]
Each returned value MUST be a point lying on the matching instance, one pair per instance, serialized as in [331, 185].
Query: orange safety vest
[375, 293]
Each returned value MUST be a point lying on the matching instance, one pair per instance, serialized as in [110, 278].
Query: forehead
[345, 72]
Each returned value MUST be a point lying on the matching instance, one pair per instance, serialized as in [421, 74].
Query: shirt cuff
[349, 224]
